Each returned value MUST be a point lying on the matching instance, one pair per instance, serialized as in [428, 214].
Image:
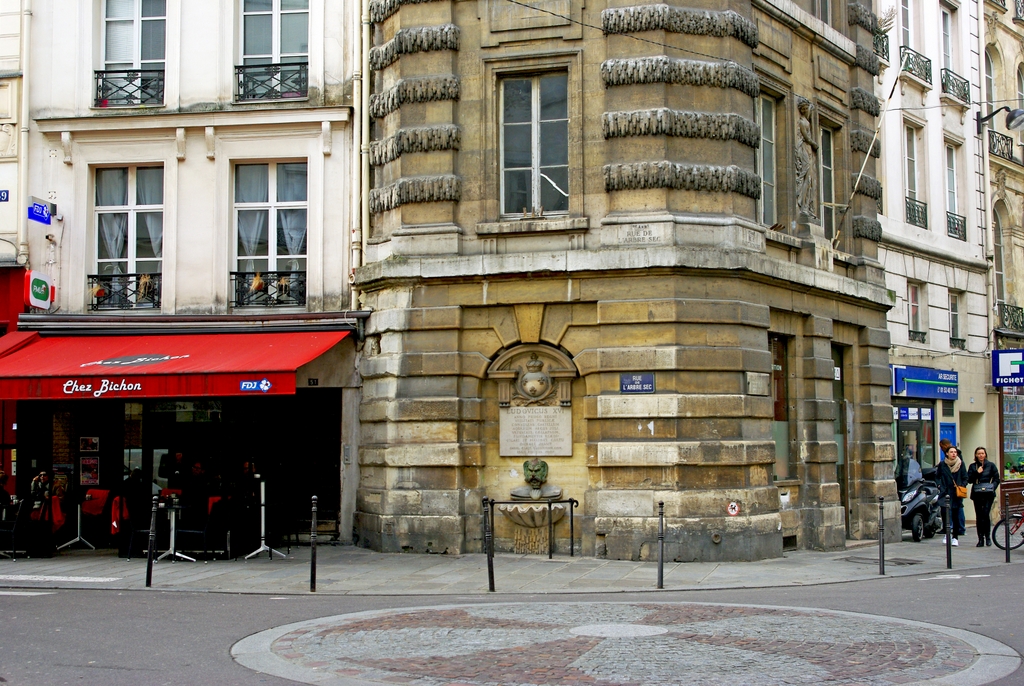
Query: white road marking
[26, 593]
[71, 579]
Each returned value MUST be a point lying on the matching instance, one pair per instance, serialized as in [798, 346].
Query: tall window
[535, 144]
[767, 160]
[997, 256]
[270, 213]
[828, 191]
[914, 307]
[954, 315]
[780, 401]
[129, 220]
[951, 204]
[910, 156]
[947, 39]
[905, 22]
[1020, 87]
[275, 50]
[134, 34]
[275, 31]
[824, 8]
[990, 82]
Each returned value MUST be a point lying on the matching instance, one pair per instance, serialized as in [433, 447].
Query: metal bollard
[881, 535]
[661, 544]
[312, 550]
[551, 532]
[150, 553]
[1006, 522]
[489, 544]
[948, 505]
[572, 528]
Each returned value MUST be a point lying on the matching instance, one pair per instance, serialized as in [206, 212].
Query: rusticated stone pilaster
[861, 99]
[667, 122]
[661, 69]
[421, 139]
[419, 39]
[868, 186]
[428, 89]
[867, 227]
[868, 60]
[640, 175]
[380, 10]
[441, 188]
[861, 141]
[679, 20]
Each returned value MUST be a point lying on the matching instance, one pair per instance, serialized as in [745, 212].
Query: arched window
[1020, 87]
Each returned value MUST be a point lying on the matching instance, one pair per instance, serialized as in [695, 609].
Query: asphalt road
[151, 638]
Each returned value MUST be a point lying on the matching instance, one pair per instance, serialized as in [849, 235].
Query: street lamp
[1014, 118]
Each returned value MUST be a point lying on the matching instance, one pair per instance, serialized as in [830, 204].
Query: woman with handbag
[985, 477]
[952, 479]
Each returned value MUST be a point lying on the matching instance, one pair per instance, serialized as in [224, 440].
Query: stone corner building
[650, 189]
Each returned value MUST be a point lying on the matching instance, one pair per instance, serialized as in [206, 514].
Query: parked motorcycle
[920, 509]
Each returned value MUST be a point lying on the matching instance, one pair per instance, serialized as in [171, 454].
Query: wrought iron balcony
[958, 343]
[881, 42]
[1018, 7]
[272, 81]
[124, 291]
[956, 85]
[268, 289]
[918, 336]
[129, 87]
[956, 226]
[1011, 317]
[917, 213]
[915, 63]
[1000, 145]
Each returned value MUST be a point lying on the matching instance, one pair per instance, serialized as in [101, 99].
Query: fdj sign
[1008, 367]
[40, 211]
[261, 386]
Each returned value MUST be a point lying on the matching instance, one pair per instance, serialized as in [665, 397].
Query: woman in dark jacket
[951, 473]
[983, 472]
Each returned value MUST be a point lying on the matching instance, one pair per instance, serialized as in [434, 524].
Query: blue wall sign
[40, 211]
[636, 383]
[922, 382]
[1008, 367]
[5, 196]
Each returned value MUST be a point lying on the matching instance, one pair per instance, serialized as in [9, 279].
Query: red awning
[187, 365]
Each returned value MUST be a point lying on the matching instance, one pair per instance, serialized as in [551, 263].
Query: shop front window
[784, 467]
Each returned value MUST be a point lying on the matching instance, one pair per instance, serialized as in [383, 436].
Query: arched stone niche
[534, 401]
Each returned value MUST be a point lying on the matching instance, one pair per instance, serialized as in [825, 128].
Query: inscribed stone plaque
[535, 431]
[644, 234]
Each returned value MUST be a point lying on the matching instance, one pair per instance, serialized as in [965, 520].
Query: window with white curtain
[905, 23]
[275, 31]
[134, 34]
[951, 200]
[947, 39]
[129, 220]
[910, 161]
[270, 217]
[954, 314]
[990, 81]
[914, 307]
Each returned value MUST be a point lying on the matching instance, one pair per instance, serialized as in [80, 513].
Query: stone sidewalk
[345, 570]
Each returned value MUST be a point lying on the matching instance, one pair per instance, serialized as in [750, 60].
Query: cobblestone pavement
[618, 644]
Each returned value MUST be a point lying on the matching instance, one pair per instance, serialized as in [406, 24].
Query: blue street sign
[636, 383]
[39, 211]
[922, 382]
[1008, 367]
[5, 196]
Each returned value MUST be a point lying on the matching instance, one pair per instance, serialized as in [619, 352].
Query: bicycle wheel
[999, 535]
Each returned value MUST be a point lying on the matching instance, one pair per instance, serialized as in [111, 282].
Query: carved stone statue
[535, 473]
[806, 163]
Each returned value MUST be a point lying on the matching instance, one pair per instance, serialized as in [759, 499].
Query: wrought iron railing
[917, 213]
[268, 289]
[124, 291]
[881, 42]
[918, 336]
[129, 87]
[958, 343]
[1018, 7]
[272, 81]
[1011, 317]
[915, 63]
[956, 85]
[1000, 145]
[956, 226]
